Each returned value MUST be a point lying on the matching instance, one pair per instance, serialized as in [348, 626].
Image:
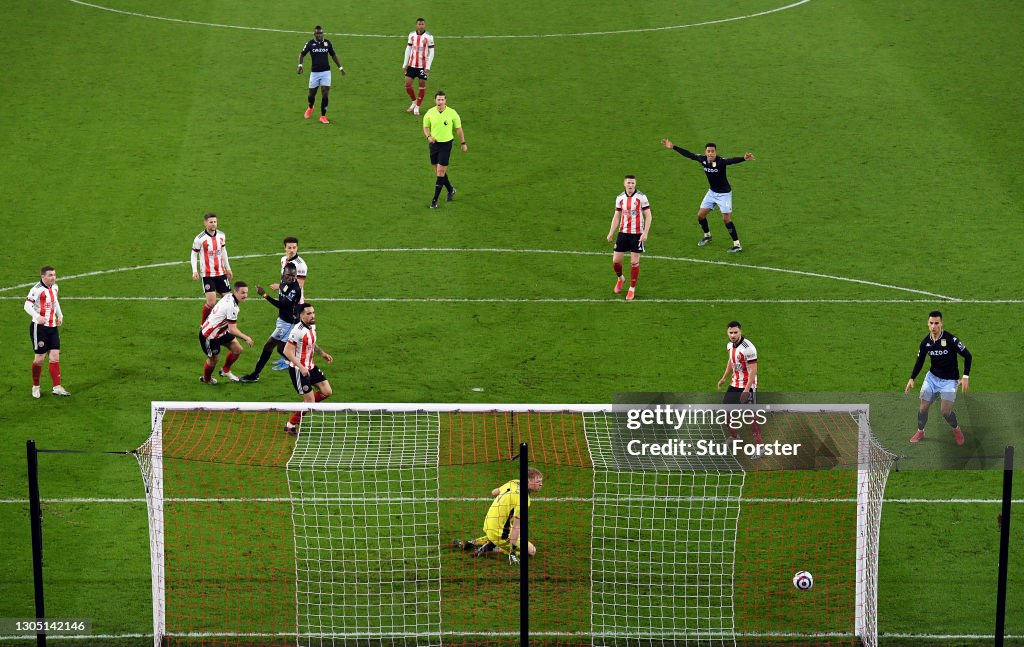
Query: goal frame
[864, 622]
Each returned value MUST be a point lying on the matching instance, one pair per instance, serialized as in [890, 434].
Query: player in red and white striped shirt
[291, 255]
[307, 378]
[419, 54]
[742, 365]
[632, 219]
[210, 261]
[44, 308]
[220, 329]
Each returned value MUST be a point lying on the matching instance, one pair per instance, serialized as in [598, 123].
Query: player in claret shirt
[319, 48]
[44, 308]
[419, 54]
[720, 193]
[943, 376]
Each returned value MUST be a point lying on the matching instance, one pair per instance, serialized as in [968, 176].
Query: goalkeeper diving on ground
[501, 525]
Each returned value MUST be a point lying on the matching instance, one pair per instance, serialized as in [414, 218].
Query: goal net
[368, 528]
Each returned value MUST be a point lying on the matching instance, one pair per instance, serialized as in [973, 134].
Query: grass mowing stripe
[489, 499]
[516, 633]
[548, 300]
[637, 30]
[505, 250]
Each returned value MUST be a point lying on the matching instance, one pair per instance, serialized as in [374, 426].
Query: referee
[438, 125]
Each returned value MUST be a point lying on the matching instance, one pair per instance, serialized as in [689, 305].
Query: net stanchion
[481, 594]
[1004, 547]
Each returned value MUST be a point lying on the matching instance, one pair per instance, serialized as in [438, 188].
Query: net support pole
[524, 548]
[36, 517]
[1004, 546]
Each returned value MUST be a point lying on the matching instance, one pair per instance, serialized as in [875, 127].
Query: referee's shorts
[441, 152]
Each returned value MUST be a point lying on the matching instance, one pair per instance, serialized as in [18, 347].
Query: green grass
[885, 134]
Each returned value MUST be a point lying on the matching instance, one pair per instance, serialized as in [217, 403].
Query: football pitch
[885, 186]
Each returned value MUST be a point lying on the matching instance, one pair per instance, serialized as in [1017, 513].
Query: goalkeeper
[501, 525]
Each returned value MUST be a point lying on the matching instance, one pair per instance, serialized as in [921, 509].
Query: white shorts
[282, 330]
[317, 79]
[723, 200]
[936, 386]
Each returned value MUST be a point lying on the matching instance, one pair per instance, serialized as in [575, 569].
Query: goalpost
[354, 532]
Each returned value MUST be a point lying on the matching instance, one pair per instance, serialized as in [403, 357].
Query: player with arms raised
[307, 378]
[210, 263]
[221, 329]
[720, 192]
[47, 318]
[632, 220]
[501, 525]
[419, 54]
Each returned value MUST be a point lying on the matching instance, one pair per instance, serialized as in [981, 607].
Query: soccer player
[943, 376]
[221, 329]
[419, 54]
[632, 219]
[438, 124]
[307, 378]
[210, 261]
[320, 77]
[289, 298]
[47, 318]
[501, 525]
[742, 364]
[719, 194]
[291, 255]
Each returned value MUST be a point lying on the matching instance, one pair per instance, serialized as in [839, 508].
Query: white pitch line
[490, 499]
[881, 634]
[639, 30]
[552, 300]
[505, 250]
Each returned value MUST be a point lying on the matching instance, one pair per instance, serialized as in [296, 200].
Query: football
[803, 581]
